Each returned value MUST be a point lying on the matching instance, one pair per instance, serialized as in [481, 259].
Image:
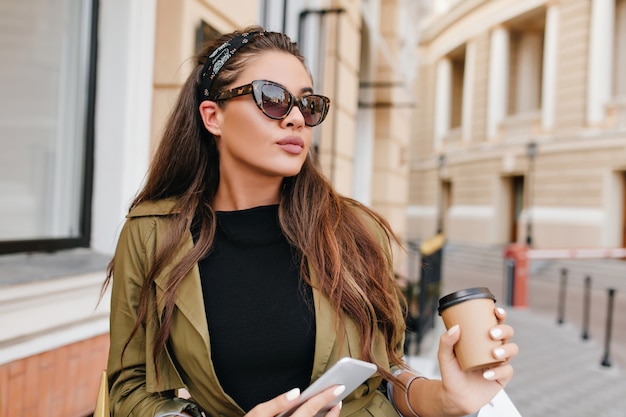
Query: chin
[290, 173]
[289, 170]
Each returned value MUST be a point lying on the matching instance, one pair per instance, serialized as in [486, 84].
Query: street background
[557, 373]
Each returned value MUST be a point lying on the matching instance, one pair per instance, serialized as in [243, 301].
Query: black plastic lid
[464, 295]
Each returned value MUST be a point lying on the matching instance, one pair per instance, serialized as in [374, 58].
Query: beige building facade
[520, 133]
[123, 77]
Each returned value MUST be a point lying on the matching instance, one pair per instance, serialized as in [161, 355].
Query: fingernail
[489, 375]
[498, 352]
[501, 311]
[293, 394]
[452, 330]
[496, 332]
[340, 404]
[337, 391]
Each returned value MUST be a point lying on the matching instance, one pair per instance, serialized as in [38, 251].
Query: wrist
[439, 403]
[448, 404]
[448, 407]
[401, 400]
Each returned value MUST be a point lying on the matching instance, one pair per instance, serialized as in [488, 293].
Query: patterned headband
[218, 58]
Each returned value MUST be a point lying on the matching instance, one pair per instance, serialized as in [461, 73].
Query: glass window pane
[43, 96]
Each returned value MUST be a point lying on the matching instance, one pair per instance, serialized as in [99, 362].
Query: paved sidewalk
[556, 373]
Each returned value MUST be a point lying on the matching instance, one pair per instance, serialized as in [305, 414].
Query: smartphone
[347, 371]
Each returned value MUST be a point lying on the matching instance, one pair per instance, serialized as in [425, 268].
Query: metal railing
[423, 294]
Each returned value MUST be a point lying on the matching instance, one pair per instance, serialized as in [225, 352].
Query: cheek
[308, 138]
[249, 122]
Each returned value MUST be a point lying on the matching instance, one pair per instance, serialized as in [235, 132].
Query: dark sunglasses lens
[275, 101]
[313, 109]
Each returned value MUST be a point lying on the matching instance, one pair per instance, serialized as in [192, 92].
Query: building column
[469, 76]
[363, 168]
[443, 100]
[497, 101]
[550, 67]
[600, 78]
[620, 50]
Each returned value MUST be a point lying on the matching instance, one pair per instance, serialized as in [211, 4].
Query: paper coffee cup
[473, 310]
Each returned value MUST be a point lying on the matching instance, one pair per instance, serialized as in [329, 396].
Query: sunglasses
[275, 101]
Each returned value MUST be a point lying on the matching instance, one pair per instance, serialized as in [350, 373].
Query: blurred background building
[85, 86]
[491, 121]
[520, 131]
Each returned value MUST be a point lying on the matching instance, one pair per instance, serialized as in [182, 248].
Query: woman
[241, 275]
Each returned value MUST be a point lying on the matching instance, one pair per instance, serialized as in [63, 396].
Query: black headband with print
[218, 58]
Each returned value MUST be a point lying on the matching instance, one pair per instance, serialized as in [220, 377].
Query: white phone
[347, 371]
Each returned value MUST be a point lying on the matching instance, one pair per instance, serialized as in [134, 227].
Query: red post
[519, 253]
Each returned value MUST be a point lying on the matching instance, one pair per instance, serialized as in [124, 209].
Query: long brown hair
[353, 267]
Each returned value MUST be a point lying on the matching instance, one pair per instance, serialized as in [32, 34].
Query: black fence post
[606, 361]
[411, 335]
[586, 307]
[411, 293]
[561, 305]
[429, 291]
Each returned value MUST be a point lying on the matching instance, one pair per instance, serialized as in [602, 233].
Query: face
[250, 143]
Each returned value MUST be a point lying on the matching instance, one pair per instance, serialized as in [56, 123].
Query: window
[526, 62]
[46, 114]
[458, 78]
[449, 99]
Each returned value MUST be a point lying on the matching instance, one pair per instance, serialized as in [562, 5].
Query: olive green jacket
[134, 389]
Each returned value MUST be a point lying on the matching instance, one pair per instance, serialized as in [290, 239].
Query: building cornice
[468, 20]
[436, 24]
[484, 151]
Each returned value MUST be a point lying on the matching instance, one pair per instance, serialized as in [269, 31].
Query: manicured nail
[498, 353]
[293, 394]
[340, 404]
[337, 391]
[452, 330]
[496, 332]
[501, 311]
[489, 375]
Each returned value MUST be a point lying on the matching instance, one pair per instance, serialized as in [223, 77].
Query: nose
[294, 118]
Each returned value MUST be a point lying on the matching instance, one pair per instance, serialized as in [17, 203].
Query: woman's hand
[309, 408]
[469, 391]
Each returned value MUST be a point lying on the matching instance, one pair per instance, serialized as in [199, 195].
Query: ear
[210, 114]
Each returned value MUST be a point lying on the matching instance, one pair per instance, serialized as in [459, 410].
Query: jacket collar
[154, 208]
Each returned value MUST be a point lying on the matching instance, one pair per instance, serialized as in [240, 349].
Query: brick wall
[59, 383]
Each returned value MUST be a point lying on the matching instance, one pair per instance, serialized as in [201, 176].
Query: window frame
[84, 235]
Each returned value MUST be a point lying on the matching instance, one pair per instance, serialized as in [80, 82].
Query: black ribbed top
[260, 313]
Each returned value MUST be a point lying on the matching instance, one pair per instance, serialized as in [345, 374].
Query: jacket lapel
[325, 334]
[188, 296]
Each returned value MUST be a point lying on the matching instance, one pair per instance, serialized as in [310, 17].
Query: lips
[292, 144]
